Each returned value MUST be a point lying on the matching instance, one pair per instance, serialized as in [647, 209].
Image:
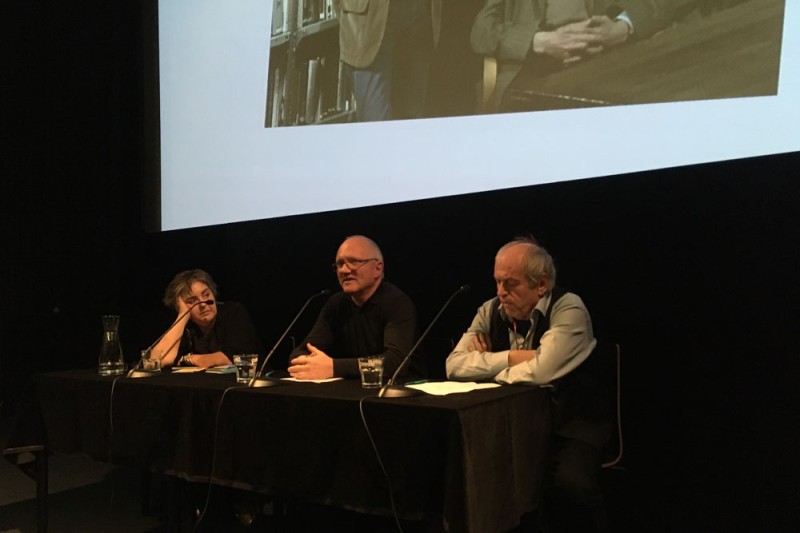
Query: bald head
[359, 267]
[364, 243]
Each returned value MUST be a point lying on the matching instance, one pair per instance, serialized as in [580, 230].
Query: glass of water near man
[371, 369]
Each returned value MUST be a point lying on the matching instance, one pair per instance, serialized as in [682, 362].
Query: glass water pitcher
[111, 362]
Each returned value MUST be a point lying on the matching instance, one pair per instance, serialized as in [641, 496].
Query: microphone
[259, 381]
[135, 372]
[390, 390]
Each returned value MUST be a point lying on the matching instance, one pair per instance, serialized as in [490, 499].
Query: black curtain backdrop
[693, 270]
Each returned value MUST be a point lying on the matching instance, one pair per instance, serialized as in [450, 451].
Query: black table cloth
[476, 460]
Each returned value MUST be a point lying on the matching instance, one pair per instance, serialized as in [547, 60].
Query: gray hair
[538, 262]
[181, 285]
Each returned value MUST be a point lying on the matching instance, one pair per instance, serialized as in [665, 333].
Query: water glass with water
[371, 369]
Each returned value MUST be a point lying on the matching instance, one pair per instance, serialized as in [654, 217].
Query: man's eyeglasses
[352, 264]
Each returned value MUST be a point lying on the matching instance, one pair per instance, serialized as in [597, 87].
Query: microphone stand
[258, 380]
[137, 372]
[390, 390]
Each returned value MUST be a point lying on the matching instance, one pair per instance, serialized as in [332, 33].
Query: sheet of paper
[187, 369]
[442, 388]
[312, 380]
[222, 369]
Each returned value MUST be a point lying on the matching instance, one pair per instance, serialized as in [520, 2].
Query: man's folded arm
[563, 347]
[465, 363]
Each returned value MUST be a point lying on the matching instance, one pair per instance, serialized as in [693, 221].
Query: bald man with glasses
[370, 316]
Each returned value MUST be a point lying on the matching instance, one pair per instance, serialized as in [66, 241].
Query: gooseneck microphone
[390, 390]
[259, 381]
[135, 372]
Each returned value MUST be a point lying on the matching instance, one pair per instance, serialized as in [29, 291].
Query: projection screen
[226, 156]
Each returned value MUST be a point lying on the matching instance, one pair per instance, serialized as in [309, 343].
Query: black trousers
[573, 496]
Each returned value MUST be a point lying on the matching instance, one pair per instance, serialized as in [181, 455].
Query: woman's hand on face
[182, 306]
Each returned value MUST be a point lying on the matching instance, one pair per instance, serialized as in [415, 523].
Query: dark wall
[693, 270]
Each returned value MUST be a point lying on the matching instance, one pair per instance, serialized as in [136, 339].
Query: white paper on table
[222, 369]
[442, 388]
[312, 380]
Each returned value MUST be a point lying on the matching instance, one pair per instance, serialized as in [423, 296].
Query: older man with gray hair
[536, 333]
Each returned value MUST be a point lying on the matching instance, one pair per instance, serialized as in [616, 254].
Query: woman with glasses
[206, 332]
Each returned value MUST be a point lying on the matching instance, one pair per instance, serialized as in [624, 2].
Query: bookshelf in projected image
[307, 82]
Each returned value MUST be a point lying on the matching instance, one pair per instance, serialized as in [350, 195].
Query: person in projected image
[553, 33]
[388, 47]
[211, 332]
[536, 333]
[370, 316]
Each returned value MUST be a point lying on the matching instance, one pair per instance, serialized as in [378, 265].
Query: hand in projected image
[569, 43]
[572, 42]
[609, 32]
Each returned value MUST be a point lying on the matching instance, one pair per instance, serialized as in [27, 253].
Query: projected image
[337, 61]
[500, 107]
